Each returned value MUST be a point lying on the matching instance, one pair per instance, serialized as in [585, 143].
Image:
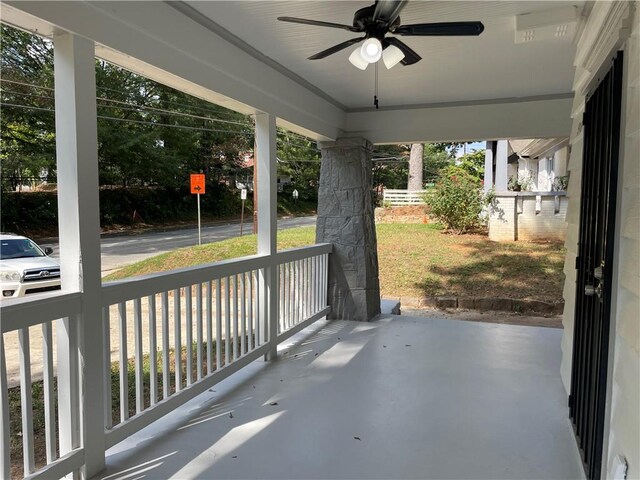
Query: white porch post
[502, 153]
[267, 226]
[79, 339]
[488, 166]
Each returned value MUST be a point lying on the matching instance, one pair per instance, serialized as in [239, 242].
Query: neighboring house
[523, 175]
[535, 165]
[246, 181]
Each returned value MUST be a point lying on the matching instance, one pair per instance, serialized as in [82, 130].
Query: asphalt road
[121, 250]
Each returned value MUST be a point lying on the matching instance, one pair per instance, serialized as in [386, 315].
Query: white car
[25, 267]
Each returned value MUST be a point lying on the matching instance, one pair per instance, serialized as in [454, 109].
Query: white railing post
[80, 337]
[267, 227]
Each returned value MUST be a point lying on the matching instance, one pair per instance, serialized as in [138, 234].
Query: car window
[19, 248]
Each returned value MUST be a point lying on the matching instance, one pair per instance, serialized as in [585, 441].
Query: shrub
[457, 200]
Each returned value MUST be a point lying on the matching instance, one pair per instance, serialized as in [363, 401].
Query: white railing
[23, 322]
[403, 197]
[169, 336]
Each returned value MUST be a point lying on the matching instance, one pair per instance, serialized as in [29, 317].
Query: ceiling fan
[376, 22]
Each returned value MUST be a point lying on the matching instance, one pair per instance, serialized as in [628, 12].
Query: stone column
[346, 219]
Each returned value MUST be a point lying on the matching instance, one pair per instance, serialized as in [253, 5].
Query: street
[121, 250]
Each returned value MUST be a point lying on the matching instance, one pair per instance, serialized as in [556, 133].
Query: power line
[280, 131]
[134, 107]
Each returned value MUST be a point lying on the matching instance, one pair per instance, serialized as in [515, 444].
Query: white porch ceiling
[491, 66]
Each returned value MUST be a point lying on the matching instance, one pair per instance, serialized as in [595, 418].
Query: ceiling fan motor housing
[363, 20]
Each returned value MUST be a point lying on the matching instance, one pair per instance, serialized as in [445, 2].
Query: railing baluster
[235, 317]
[26, 401]
[325, 281]
[257, 319]
[153, 351]
[177, 321]
[124, 363]
[250, 316]
[314, 284]
[294, 286]
[137, 332]
[209, 301]
[281, 327]
[189, 333]
[290, 293]
[106, 349]
[305, 263]
[49, 394]
[218, 324]
[227, 320]
[199, 331]
[5, 450]
[166, 374]
[243, 314]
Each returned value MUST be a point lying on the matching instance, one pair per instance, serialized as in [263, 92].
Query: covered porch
[386, 397]
[400, 397]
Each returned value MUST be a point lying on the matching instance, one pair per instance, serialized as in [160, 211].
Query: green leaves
[457, 200]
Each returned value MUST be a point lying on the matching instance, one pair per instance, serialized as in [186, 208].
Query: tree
[27, 123]
[299, 158]
[473, 164]
[415, 167]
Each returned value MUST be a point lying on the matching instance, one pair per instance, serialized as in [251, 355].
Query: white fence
[403, 197]
[191, 329]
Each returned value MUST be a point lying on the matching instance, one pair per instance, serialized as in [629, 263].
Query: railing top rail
[299, 253]
[142, 286]
[31, 310]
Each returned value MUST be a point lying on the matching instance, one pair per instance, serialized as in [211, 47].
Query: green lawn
[416, 260]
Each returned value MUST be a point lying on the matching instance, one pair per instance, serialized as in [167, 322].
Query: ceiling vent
[557, 24]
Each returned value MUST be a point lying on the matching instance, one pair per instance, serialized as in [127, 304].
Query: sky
[470, 148]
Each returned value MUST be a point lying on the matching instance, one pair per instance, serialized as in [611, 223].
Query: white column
[560, 162]
[267, 224]
[502, 153]
[79, 339]
[488, 166]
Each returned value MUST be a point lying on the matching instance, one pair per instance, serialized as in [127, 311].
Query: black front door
[601, 124]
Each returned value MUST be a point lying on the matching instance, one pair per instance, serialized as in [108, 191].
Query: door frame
[606, 67]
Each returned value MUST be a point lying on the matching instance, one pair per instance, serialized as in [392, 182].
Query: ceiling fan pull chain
[375, 88]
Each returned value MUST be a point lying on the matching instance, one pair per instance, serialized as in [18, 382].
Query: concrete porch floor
[402, 397]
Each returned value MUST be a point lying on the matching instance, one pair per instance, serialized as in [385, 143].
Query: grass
[415, 260]
[213, 252]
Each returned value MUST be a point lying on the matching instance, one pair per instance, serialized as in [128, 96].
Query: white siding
[603, 35]
[624, 438]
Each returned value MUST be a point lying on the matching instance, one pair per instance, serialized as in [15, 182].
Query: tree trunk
[415, 167]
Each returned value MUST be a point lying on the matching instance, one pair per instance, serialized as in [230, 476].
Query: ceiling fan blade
[410, 57]
[441, 29]
[318, 23]
[388, 10]
[336, 48]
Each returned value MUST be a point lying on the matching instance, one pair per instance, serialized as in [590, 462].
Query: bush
[457, 200]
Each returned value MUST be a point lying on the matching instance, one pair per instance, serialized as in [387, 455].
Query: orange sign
[197, 183]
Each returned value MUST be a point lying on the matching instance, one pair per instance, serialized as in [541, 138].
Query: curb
[482, 304]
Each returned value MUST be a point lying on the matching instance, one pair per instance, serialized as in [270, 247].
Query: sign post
[243, 197]
[198, 188]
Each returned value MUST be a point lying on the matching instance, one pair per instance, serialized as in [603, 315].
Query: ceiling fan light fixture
[357, 61]
[371, 50]
[391, 56]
